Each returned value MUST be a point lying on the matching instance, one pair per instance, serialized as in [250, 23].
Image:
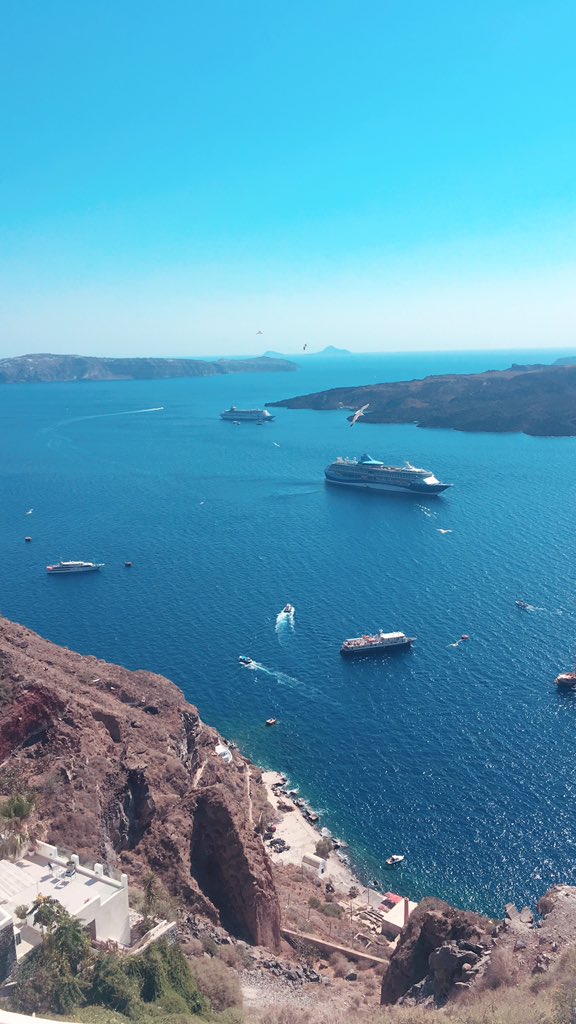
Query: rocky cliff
[126, 773]
[49, 368]
[438, 950]
[539, 400]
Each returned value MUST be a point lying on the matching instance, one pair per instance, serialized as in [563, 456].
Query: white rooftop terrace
[87, 894]
[23, 880]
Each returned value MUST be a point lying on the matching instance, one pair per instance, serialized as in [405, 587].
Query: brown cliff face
[126, 773]
[433, 927]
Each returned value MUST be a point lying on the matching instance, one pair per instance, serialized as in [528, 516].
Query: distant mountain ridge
[46, 367]
[538, 400]
[330, 350]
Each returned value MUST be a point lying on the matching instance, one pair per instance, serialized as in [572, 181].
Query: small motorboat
[464, 636]
[396, 858]
[288, 609]
[128, 565]
[28, 540]
[247, 662]
[271, 721]
[566, 681]
[523, 604]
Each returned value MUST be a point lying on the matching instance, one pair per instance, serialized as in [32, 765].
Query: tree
[18, 807]
[47, 912]
[151, 897]
[70, 941]
[323, 847]
[14, 813]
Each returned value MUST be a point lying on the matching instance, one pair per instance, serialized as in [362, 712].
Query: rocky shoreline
[538, 400]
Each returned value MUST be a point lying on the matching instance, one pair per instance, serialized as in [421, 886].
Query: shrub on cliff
[218, 983]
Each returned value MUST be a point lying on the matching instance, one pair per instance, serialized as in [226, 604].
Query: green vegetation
[64, 975]
[13, 829]
[324, 847]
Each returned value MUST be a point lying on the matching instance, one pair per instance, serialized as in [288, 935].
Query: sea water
[461, 758]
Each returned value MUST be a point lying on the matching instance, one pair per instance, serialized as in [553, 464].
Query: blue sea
[461, 758]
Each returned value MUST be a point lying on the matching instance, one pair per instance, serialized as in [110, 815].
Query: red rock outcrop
[126, 773]
[436, 943]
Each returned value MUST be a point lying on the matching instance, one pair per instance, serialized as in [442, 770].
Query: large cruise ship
[65, 567]
[372, 475]
[243, 415]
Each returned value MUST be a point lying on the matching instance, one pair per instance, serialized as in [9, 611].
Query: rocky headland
[538, 400]
[50, 368]
[125, 772]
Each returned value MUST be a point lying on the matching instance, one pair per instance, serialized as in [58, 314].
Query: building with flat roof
[88, 894]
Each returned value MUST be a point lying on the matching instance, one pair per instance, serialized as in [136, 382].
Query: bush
[315, 903]
[218, 983]
[323, 847]
[331, 910]
[339, 964]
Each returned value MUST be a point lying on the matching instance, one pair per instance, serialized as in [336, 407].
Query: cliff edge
[126, 773]
[539, 400]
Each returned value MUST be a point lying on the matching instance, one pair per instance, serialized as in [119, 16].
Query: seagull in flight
[259, 332]
[359, 413]
[444, 531]
[305, 347]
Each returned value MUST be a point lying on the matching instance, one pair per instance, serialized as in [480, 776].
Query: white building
[89, 895]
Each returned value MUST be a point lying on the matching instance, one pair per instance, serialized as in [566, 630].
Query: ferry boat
[376, 643]
[566, 681]
[246, 415]
[372, 475]
[66, 567]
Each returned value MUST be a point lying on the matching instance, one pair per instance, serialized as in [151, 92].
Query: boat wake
[273, 673]
[285, 621]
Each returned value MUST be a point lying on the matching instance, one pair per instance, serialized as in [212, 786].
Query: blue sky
[377, 175]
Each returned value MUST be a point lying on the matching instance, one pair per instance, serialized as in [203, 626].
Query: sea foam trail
[284, 621]
[281, 677]
[109, 415]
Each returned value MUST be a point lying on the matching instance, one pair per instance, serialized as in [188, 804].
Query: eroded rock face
[127, 774]
[433, 951]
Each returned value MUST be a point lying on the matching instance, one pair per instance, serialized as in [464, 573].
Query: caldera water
[461, 758]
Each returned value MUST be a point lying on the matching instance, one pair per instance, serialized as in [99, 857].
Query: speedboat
[246, 662]
[271, 721]
[288, 609]
[523, 604]
[396, 858]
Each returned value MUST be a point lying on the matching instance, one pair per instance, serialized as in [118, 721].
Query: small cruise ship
[376, 643]
[67, 567]
[372, 475]
[246, 415]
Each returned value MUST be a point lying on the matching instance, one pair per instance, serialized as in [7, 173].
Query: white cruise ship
[372, 475]
[246, 415]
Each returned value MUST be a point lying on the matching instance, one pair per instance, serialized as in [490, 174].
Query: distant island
[538, 400]
[330, 350]
[49, 368]
[565, 361]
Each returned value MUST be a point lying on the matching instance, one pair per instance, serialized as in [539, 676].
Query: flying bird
[305, 347]
[444, 531]
[359, 413]
[259, 332]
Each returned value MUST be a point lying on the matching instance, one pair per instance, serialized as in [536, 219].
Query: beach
[301, 836]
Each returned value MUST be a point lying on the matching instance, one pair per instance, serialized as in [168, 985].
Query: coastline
[301, 836]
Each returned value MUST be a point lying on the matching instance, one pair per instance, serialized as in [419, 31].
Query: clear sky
[380, 175]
